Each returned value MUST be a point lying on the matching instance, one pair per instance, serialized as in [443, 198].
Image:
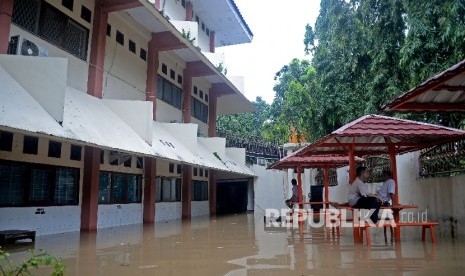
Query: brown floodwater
[242, 245]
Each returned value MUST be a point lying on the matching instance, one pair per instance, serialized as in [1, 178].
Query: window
[206, 98]
[86, 14]
[201, 172]
[199, 190]
[139, 162]
[179, 168]
[68, 4]
[27, 184]
[143, 54]
[195, 172]
[30, 145]
[169, 92]
[172, 74]
[132, 46]
[44, 20]
[183, 3]
[108, 30]
[203, 26]
[167, 189]
[119, 188]
[127, 161]
[201, 94]
[54, 149]
[199, 110]
[171, 167]
[102, 156]
[6, 141]
[164, 68]
[197, 18]
[195, 90]
[179, 79]
[207, 31]
[120, 37]
[206, 173]
[76, 152]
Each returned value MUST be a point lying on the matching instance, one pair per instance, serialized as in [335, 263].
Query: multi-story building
[108, 111]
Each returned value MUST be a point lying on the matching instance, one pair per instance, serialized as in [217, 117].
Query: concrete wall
[118, 214]
[440, 197]
[200, 208]
[54, 220]
[168, 211]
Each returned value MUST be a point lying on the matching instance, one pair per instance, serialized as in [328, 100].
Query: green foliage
[364, 54]
[187, 35]
[222, 69]
[8, 268]
[248, 125]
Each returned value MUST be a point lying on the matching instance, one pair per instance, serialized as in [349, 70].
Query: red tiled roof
[374, 134]
[314, 161]
[443, 92]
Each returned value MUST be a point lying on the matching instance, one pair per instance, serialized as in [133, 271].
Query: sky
[278, 28]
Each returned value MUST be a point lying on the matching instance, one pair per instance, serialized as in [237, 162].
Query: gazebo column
[150, 174]
[396, 212]
[326, 185]
[352, 175]
[300, 197]
[6, 11]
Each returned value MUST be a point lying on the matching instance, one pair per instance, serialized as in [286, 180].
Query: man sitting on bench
[388, 189]
[360, 197]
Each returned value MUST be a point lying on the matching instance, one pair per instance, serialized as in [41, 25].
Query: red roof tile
[314, 161]
[373, 134]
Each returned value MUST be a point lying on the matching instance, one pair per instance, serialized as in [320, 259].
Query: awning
[94, 123]
[20, 111]
[189, 149]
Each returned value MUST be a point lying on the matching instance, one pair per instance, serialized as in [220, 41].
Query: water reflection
[242, 245]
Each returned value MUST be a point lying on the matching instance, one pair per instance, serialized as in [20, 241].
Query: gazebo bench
[11, 236]
[424, 225]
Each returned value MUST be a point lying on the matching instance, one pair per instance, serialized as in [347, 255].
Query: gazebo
[325, 162]
[376, 135]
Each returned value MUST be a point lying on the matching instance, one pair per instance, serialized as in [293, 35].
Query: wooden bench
[424, 225]
[11, 236]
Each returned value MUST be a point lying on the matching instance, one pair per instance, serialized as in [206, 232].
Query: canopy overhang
[314, 161]
[445, 92]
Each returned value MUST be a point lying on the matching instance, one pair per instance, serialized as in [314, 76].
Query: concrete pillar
[149, 189]
[6, 11]
[89, 205]
[97, 51]
[151, 85]
[212, 193]
[187, 88]
[157, 4]
[189, 9]
[213, 99]
[212, 41]
[186, 191]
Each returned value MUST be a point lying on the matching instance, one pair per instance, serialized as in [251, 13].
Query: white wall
[168, 211]
[200, 208]
[55, 220]
[441, 197]
[118, 214]
[270, 189]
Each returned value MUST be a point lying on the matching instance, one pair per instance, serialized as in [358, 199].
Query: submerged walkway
[242, 245]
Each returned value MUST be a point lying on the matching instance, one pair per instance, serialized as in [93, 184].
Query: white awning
[94, 123]
[19, 110]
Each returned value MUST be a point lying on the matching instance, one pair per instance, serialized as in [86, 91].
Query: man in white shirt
[360, 197]
[388, 189]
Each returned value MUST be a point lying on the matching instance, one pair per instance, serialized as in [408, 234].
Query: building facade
[109, 111]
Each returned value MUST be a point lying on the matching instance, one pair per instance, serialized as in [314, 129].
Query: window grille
[200, 190]
[49, 23]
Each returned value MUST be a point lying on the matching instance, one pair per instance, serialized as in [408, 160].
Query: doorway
[231, 197]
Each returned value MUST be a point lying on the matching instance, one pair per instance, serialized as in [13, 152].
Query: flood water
[242, 245]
